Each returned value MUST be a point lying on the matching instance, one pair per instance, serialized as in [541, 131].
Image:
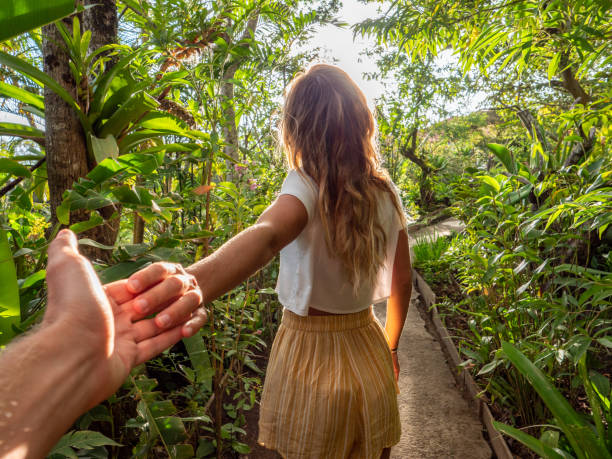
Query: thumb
[65, 243]
[71, 280]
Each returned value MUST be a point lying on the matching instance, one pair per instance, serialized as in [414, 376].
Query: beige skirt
[329, 390]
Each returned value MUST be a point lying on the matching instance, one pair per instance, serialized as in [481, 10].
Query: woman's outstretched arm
[401, 291]
[230, 265]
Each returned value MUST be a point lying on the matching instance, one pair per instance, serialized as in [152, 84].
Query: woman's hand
[168, 288]
[396, 367]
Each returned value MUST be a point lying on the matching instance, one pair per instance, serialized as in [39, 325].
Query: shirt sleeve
[302, 188]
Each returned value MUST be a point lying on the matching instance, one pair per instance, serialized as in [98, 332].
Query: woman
[330, 390]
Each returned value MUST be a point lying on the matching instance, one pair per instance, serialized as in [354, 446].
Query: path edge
[463, 377]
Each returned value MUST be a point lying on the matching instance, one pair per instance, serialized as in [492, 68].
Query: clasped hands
[111, 323]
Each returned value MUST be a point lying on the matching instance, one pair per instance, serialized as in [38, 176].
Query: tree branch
[408, 150]
[18, 180]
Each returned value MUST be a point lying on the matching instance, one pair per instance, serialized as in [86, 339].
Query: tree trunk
[64, 138]
[102, 20]
[230, 130]
[139, 226]
[409, 151]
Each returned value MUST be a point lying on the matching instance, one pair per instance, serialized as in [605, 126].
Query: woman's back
[313, 277]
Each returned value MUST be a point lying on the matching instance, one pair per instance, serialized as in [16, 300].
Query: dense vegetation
[148, 128]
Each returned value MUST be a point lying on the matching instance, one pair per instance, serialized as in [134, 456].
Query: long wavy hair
[328, 132]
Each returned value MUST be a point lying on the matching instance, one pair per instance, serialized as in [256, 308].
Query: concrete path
[437, 422]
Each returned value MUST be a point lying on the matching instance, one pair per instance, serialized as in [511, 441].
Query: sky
[339, 45]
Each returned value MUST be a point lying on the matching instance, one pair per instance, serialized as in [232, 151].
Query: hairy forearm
[397, 309]
[44, 389]
[235, 261]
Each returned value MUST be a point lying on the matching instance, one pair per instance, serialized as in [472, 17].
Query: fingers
[197, 321]
[179, 311]
[152, 275]
[65, 239]
[145, 329]
[118, 291]
[159, 296]
[151, 347]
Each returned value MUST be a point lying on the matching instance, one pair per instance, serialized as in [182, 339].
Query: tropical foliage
[148, 127]
[532, 266]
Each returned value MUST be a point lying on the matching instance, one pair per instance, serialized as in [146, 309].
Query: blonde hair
[328, 132]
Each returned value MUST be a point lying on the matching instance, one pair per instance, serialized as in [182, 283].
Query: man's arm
[44, 379]
[78, 356]
[230, 265]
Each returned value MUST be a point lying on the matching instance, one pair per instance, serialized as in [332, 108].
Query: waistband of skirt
[328, 323]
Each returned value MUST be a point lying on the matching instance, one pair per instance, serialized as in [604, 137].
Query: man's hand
[88, 342]
[101, 318]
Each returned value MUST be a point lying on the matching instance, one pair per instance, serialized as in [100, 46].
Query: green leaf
[553, 65]
[20, 16]
[45, 80]
[33, 279]
[27, 97]
[200, 360]
[532, 443]
[92, 243]
[605, 341]
[81, 439]
[63, 212]
[122, 270]
[578, 433]
[163, 122]
[142, 163]
[504, 156]
[9, 291]
[489, 367]
[241, 448]
[490, 182]
[104, 148]
[129, 112]
[8, 166]
[104, 171]
[172, 429]
[94, 220]
[21, 130]
[104, 83]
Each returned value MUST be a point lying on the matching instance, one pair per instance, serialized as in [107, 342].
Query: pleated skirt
[329, 390]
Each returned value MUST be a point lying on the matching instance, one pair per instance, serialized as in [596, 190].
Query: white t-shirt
[311, 277]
